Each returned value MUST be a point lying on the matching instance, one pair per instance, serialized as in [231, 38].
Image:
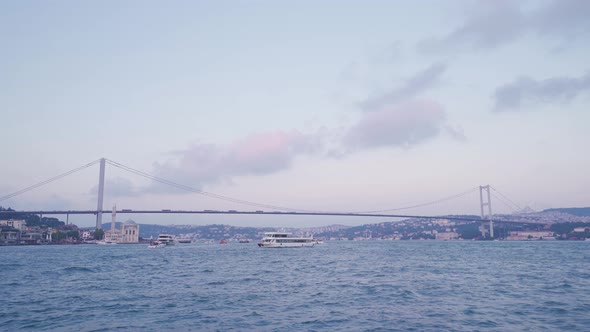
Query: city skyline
[332, 106]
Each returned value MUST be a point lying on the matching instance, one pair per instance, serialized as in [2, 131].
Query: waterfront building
[21, 225]
[130, 232]
[31, 238]
[447, 236]
[86, 235]
[531, 235]
[9, 235]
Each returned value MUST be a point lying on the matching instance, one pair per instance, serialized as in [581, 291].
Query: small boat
[184, 240]
[284, 240]
[223, 241]
[167, 239]
[244, 241]
[156, 244]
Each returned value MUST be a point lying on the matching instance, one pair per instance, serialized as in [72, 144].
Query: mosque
[129, 232]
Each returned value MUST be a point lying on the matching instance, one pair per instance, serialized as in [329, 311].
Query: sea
[335, 286]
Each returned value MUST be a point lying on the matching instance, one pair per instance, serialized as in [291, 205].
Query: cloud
[562, 18]
[388, 120]
[490, 25]
[527, 90]
[412, 87]
[495, 23]
[400, 125]
[257, 154]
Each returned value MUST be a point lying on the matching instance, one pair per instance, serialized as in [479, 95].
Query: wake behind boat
[156, 244]
[284, 240]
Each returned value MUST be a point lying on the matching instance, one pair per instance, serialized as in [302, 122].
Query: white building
[86, 235]
[447, 236]
[21, 225]
[129, 232]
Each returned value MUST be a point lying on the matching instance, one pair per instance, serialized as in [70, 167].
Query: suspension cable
[42, 183]
[423, 204]
[503, 201]
[200, 192]
[508, 199]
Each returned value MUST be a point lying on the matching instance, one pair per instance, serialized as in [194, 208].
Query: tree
[73, 234]
[98, 234]
[58, 236]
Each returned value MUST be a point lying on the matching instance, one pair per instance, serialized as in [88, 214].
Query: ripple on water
[343, 286]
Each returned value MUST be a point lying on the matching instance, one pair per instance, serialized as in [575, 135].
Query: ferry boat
[167, 239]
[284, 240]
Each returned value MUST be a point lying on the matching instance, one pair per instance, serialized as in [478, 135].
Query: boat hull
[286, 245]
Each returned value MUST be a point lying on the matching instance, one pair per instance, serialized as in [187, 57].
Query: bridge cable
[508, 199]
[197, 191]
[503, 201]
[423, 204]
[42, 183]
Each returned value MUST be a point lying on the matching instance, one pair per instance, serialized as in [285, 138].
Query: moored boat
[284, 240]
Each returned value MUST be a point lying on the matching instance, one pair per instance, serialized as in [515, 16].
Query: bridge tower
[489, 205]
[100, 194]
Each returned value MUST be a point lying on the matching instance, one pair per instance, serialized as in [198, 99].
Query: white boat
[106, 242]
[156, 244]
[167, 239]
[284, 240]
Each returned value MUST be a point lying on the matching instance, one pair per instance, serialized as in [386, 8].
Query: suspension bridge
[261, 208]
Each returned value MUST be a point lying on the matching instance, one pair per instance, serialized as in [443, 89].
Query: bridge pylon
[100, 194]
[488, 203]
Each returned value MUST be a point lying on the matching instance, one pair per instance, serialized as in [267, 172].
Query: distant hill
[580, 212]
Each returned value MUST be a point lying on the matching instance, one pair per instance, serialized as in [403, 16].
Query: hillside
[580, 212]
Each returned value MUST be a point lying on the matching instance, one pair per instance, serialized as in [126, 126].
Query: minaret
[113, 221]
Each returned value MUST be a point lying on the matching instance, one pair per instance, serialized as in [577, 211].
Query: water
[340, 286]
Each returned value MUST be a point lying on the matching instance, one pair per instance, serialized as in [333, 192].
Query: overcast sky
[317, 105]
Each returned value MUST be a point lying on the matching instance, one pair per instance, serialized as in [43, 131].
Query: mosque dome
[130, 222]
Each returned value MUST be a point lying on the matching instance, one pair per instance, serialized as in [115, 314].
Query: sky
[342, 106]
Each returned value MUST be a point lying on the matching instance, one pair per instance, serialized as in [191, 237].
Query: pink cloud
[256, 154]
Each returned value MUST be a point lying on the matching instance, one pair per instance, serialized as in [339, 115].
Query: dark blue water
[344, 286]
